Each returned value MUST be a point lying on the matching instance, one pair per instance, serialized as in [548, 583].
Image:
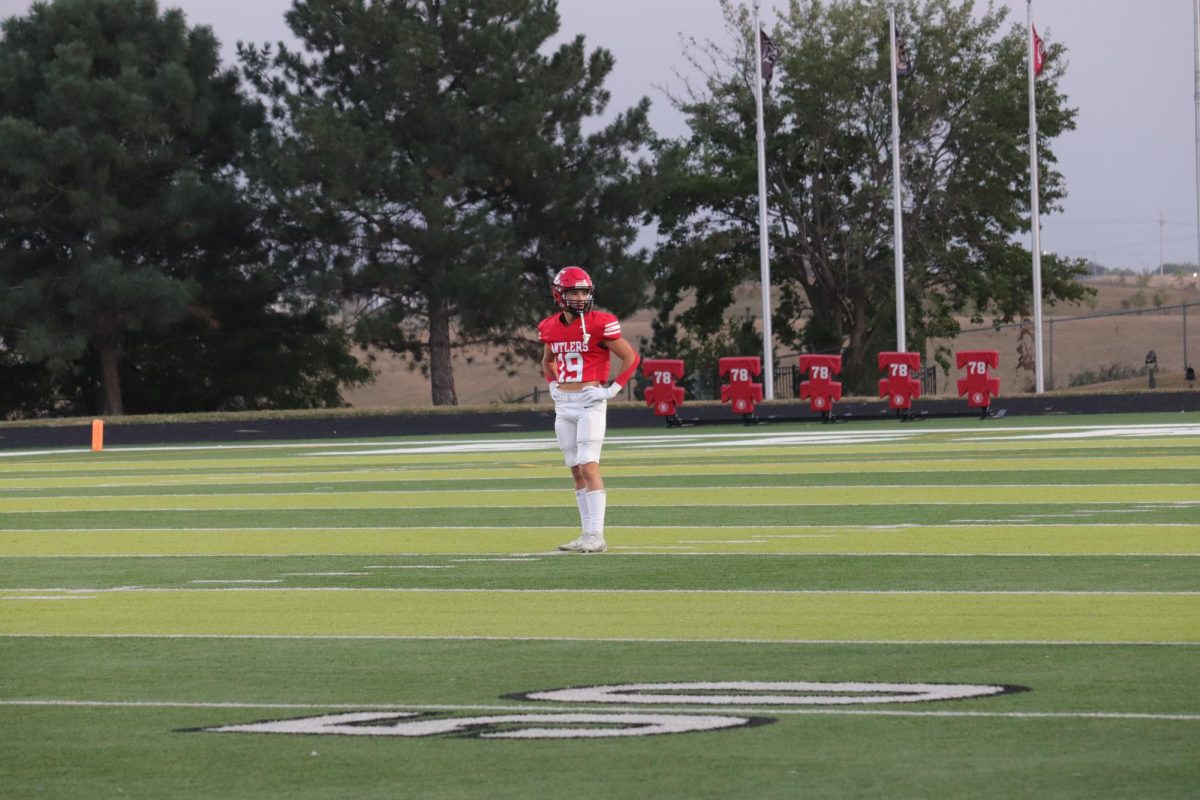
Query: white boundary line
[534, 707]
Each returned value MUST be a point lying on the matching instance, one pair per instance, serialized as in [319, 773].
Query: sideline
[536, 419]
[748, 437]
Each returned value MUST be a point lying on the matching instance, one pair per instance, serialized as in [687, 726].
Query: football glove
[596, 394]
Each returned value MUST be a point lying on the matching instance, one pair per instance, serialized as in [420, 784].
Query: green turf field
[955, 608]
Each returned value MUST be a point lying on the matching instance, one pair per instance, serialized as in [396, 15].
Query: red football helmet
[573, 278]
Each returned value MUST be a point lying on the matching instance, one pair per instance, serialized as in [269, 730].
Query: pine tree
[131, 256]
[432, 164]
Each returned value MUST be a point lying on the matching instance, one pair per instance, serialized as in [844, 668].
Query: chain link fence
[1161, 342]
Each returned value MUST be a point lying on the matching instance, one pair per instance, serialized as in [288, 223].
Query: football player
[575, 361]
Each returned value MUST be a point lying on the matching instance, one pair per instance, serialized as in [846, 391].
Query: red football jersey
[574, 360]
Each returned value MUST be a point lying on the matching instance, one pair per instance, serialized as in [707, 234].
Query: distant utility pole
[1162, 223]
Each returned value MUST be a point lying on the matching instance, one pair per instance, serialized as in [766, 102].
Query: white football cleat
[592, 544]
[585, 544]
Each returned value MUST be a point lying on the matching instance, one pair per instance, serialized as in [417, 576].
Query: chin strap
[583, 324]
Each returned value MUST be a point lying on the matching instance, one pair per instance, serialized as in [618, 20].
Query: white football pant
[579, 428]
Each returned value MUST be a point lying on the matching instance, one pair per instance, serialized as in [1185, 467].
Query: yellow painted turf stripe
[923, 540]
[633, 615]
[700, 496]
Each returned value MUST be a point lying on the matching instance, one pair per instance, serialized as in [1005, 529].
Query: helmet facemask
[577, 306]
[573, 278]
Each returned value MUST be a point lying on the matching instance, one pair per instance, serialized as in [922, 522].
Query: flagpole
[1035, 217]
[764, 261]
[1196, 82]
[897, 208]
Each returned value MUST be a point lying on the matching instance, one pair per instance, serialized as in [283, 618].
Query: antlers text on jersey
[574, 360]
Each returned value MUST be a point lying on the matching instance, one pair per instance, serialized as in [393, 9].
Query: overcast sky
[1130, 74]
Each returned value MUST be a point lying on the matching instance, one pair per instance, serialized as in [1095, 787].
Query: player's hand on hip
[597, 394]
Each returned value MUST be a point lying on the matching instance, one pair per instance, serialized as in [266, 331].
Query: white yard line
[1023, 502]
[223, 477]
[633, 551]
[604, 639]
[760, 540]
[471, 590]
[533, 706]
[242, 580]
[622, 490]
[905, 527]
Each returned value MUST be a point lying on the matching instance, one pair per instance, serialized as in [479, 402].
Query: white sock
[581, 501]
[596, 501]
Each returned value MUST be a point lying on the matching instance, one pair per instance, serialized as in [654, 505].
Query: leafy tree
[964, 154]
[432, 164]
[131, 259]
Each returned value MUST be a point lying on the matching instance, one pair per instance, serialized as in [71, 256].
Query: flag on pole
[1039, 52]
[770, 53]
[903, 62]
[1036, 59]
